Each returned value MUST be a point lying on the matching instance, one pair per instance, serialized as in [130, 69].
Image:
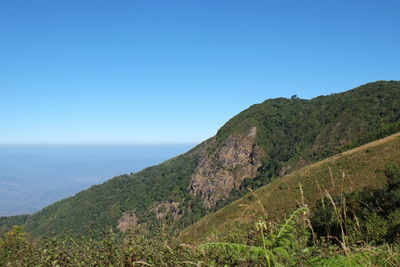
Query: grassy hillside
[290, 133]
[350, 171]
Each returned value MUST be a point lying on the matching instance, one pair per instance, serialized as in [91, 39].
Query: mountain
[351, 171]
[252, 149]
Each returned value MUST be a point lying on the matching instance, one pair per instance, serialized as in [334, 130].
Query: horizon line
[100, 143]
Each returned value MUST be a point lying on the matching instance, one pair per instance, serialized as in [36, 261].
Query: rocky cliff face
[167, 208]
[225, 169]
[128, 221]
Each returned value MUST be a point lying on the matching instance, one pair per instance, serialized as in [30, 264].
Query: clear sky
[80, 71]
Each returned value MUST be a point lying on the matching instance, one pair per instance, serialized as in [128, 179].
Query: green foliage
[392, 172]
[13, 244]
[290, 244]
[6, 223]
[297, 131]
[267, 244]
[280, 246]
[369, 216]
[131, 249]
[358, 257]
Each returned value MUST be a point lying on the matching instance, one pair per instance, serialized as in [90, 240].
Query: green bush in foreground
[266, 244]
[370, 216]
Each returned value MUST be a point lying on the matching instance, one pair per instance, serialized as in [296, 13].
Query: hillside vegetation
[351, 171]
[255, 147]
[360, 226]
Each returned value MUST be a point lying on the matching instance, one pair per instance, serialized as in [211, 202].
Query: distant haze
[34, 176]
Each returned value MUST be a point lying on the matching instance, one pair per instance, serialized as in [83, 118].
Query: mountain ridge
[349, 171]
[261, 143]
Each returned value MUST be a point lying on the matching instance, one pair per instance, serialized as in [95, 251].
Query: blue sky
[174, 71]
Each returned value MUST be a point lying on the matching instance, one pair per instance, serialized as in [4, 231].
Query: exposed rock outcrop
[225, 169]
[166, 208]
[128, 221]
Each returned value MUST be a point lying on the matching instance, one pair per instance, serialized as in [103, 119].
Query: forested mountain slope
[351, 171]
[261, 143]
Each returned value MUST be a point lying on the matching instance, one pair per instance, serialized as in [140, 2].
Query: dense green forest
[292, 133]
[290, 129]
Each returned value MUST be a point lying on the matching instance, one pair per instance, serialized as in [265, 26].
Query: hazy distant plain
[34, 176]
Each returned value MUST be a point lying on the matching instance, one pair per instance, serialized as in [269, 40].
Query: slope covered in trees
[286, 134]
[367, 177]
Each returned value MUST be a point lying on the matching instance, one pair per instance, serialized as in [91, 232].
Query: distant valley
[34, 176]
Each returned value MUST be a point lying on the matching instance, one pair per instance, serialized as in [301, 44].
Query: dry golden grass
[349, 171]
